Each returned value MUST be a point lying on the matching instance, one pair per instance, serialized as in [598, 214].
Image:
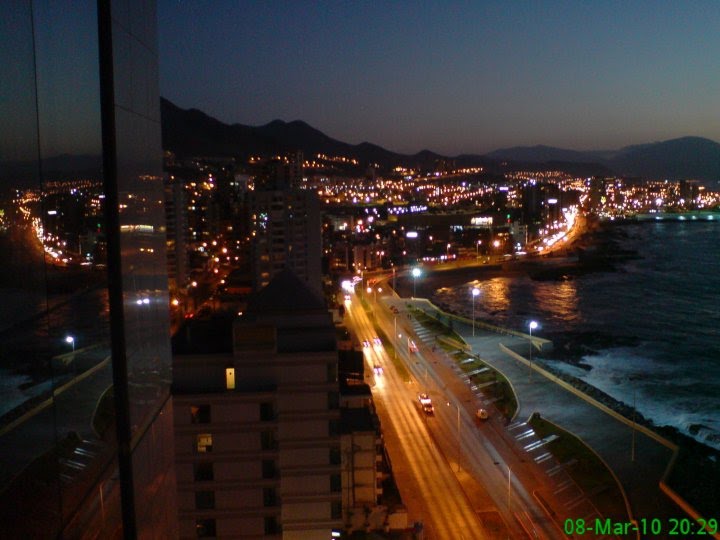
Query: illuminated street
[473, 489]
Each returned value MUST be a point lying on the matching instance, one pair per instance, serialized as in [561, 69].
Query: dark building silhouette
[257, 421]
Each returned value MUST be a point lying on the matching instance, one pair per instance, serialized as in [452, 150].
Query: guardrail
[541, 344]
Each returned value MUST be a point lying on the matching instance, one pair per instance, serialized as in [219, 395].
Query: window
[335, 483]
[334, 427]
[204, 500]
[269, 497]
[267, 412]
[332, 372]
[205, 528]
[271, 525]
[336, 509]
[230, 378]
[267, 440]
[335, 457]
[200, 414]
[268, 468]
[333, 400]
[204, 443]
[203, 471]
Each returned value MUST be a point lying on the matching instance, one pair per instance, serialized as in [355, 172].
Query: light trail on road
[445, 508]
[485, 453]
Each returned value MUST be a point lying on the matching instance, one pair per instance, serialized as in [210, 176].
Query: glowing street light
[71, 341]
[475, 292]
[458, 433]
[415, 274]
[533, 325]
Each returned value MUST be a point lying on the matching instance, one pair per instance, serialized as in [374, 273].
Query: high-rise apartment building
[86, 445]
[285, 226]
[177, 234]
[258, 450]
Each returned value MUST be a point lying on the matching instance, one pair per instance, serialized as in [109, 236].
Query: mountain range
[194, 133]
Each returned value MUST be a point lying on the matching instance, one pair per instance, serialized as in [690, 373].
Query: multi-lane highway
[465, 479]
[442, 505]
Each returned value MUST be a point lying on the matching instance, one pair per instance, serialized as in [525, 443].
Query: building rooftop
[210, 335]
[285, 293]
[286, 316]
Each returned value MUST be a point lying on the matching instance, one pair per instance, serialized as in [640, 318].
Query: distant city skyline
[451, 78]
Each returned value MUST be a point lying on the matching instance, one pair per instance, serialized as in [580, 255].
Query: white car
[426, 403]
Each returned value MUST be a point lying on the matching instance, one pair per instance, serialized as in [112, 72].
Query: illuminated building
[286, 228]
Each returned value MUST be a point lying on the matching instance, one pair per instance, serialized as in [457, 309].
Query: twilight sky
[453, 77]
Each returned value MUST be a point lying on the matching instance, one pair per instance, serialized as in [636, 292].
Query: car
[426, 403]
[412, 347]
[394, 310]
[482, 414]
[376, 341]
[366, 344]
[347, 298]
[378, 369]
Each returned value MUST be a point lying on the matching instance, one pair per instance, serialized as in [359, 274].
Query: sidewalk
[609, 437]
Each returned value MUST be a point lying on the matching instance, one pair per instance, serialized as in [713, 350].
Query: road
[437, 498]
[470, 461]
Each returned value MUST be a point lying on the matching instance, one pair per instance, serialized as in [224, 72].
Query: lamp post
[533, 325]
[71, 341]
[395, 334]
[415, 275]
[458, 434]
[475, 292]
[477, 249]
[632, 445]
[509, 487]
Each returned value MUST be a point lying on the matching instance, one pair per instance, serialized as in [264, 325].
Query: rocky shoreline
[696, 474]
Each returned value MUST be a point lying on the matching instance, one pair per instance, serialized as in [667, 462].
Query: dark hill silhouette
[686, 157]
[194, 133]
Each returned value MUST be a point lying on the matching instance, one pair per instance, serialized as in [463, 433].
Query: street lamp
[71, 341]
[415, 275]
[458, 434]
[475, 292]
[477, 249]
[533, 325]
[395, 334]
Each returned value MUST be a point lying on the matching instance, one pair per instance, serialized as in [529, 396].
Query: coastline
[595, 249]
[696, 472]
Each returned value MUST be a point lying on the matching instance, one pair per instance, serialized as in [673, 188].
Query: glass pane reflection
[56, 409]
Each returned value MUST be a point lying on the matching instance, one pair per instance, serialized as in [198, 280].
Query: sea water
[646, 334]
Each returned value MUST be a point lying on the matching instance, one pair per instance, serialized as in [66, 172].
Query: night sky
[461, 77]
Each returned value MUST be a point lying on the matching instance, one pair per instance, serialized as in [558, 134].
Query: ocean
[647, 333]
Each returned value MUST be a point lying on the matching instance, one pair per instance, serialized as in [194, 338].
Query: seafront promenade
[637, 459]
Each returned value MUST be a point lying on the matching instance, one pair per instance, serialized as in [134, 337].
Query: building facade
[285, 226]
[258, 449]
